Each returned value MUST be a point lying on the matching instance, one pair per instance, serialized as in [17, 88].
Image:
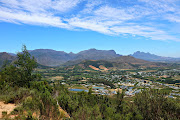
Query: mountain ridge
[152, 57]
[50, 57]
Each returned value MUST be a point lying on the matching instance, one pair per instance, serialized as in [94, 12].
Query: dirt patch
[6, 107]
[63, 113]
[103, 68]
[94, 68]
[57, 78]
[93, 60]
[117, 89]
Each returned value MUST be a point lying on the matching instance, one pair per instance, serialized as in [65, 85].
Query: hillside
[122, 62]
[129, 59]
[5, 56]
[93, 65]
[11, 57]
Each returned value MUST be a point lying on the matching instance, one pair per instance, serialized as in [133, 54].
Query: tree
[154, 105]
[20, 72]
[25, 64]
[120, 98]
[90, 91]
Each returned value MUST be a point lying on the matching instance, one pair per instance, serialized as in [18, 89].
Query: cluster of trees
[40, 100]
[150, 104]
[20, 72]
[86, 106]
[20, 85]
[105, 82]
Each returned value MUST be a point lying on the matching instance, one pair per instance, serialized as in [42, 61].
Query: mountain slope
[129, 59]
[6, 57]
[122, 62]
[50, 57]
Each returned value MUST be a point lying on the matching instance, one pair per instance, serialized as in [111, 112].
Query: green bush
[4, 113]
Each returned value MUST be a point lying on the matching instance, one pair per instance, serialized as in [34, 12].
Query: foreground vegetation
[37, 99]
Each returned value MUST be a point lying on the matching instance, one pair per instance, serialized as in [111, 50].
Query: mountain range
[151, 57]
[49, 57]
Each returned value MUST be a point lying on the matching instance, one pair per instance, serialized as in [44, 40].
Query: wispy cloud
[31, 18]
[138, 17]
[173, 18]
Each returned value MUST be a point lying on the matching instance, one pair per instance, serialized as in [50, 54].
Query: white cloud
[173, 18]
[149, 32]
[30, 18]
[91, 4]
[89, 25]
[113, 13]
[64, 5]
[129, 17]
[41, 5]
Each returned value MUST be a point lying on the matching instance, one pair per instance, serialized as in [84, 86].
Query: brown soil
[102, 67]
[6, 107]
[94, 68]
[65, 114]
[120, 90]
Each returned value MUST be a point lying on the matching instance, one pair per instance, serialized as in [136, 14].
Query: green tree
[20, 72]
[25, 64]
[9, 75]
[90, 91]
[154, 105]
[120, 98]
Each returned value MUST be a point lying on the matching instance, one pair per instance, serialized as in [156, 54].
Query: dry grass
[57, 78]
[79, 87]
[176, 78]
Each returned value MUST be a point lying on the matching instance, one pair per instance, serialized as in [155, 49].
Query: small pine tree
[25, 65]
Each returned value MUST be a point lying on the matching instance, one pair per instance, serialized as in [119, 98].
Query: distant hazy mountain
[97, 54]
[155, 58]
[50, 57]
[12, 54]
[5, 56]
[129, 59]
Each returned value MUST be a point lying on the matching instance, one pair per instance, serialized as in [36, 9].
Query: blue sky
[125, 26]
